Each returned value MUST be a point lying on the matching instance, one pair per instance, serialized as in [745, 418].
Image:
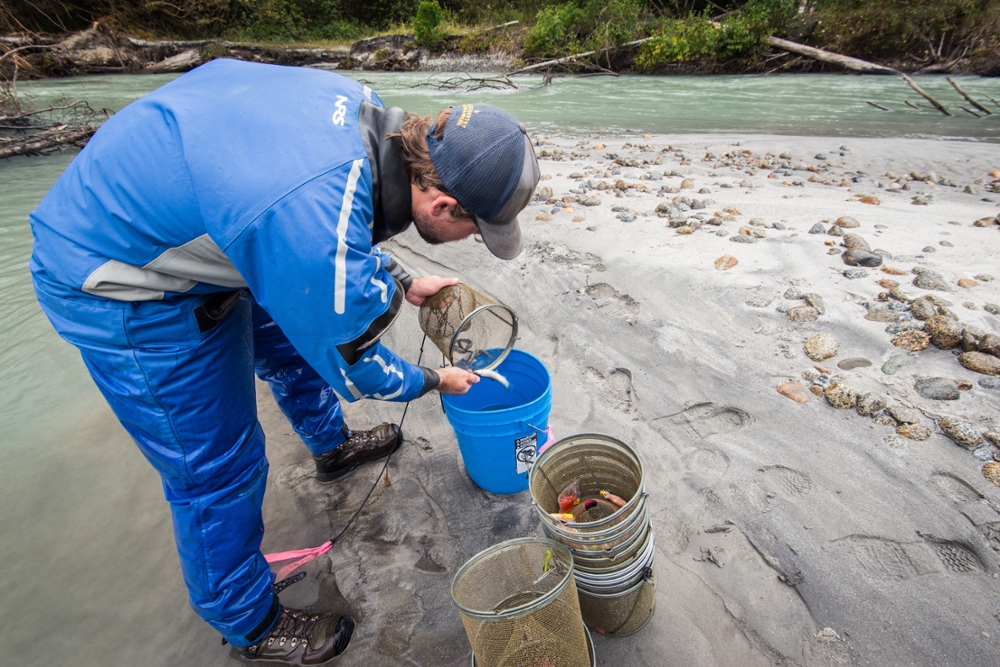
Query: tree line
[682, 30]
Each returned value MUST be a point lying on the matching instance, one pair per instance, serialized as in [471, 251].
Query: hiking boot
[301, 638]
[360, 447]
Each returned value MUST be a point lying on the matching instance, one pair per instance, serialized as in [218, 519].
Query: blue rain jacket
[236, 179]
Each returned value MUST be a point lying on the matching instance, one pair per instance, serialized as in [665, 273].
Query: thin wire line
[387, 459]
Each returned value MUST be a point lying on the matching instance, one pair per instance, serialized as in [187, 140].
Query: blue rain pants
[188, 400]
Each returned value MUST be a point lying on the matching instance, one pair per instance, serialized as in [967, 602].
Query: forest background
[721, 35]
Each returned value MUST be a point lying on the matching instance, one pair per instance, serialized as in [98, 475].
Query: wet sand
[843, 544]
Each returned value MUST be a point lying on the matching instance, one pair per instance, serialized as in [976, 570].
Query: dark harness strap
[216, 309]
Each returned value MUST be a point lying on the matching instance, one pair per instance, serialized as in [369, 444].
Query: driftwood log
[968, 97]
[857, 65]
[45, 140]
[847, 62]
[100, 49]
[927, 96]
[576, 56]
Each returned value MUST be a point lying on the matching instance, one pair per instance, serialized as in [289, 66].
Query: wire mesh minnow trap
[518, 602]
[472, 331]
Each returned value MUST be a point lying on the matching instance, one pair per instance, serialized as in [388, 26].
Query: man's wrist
[431, 380]
[397, 272]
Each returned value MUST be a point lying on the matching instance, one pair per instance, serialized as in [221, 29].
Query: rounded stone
[870, 404]
[914, 431]
[856, 241]
[923, 308]
[912, 340]
[821, 346]
[930, 280]
[945, 332]
[898, 362]
[962, 432]
[760, 300]
[993, 437]
[859, 257]
[853, 362]
[726, 262]
[904, 325]
[990, 344]
[818, 228]
[938, 389]
[984, 453]
[980, 362]
[795, 391]
[991, 471]
[847, 222]
[841, 396]
[903, 415]
[894, 441]
[880, 313]
[967, 283]
[854, 274]
[883, 418]
[793, 293]
[816, 301]
[802, 314]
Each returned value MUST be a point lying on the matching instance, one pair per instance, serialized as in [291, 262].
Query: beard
[425, 227]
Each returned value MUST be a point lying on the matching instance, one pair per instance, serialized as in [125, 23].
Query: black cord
[364, 502]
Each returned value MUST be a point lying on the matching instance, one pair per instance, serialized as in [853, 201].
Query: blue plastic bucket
[499, 429]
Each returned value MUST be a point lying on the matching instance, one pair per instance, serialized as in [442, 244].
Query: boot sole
[330, 477]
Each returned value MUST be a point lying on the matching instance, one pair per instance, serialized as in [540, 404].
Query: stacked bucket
[613, 547]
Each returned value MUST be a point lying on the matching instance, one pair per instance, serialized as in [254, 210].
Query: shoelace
[294, 626]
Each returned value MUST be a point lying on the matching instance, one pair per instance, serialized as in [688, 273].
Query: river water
[63, 461]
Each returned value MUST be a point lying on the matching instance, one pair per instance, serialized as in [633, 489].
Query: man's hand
[427, 286]
[455, 381]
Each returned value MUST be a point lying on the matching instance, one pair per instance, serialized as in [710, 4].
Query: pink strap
[304, 556]
[548, 442]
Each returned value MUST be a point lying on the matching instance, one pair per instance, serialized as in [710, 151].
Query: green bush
[680, 40]
[582, 25]
[426, 25]
[939, 28]
[741, 35]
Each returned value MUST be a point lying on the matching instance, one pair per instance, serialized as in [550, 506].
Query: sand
[833, 541]
[847, 546]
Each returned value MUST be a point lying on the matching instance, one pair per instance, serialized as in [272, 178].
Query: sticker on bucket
[525, 450]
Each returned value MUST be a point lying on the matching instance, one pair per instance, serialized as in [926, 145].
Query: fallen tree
[25, 130]
[847, 62]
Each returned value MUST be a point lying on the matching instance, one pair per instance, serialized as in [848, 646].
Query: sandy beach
[844, 543]
[787, 533]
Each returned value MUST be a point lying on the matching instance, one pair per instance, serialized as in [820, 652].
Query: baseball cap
[486, 161]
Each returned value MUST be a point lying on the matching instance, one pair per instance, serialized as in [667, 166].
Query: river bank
[786, 532]
[103, 50]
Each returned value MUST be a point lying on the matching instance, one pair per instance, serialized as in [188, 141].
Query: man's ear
[443, 205]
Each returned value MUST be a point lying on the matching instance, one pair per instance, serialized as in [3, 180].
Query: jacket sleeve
[394, 269]
[309, 263]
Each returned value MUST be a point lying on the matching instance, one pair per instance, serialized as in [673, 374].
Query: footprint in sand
[703, 467]
[612, 302]
[615, 389]
[964, 498]
[701, 420]
[571, 259]
[790, 483]
[887, 559]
